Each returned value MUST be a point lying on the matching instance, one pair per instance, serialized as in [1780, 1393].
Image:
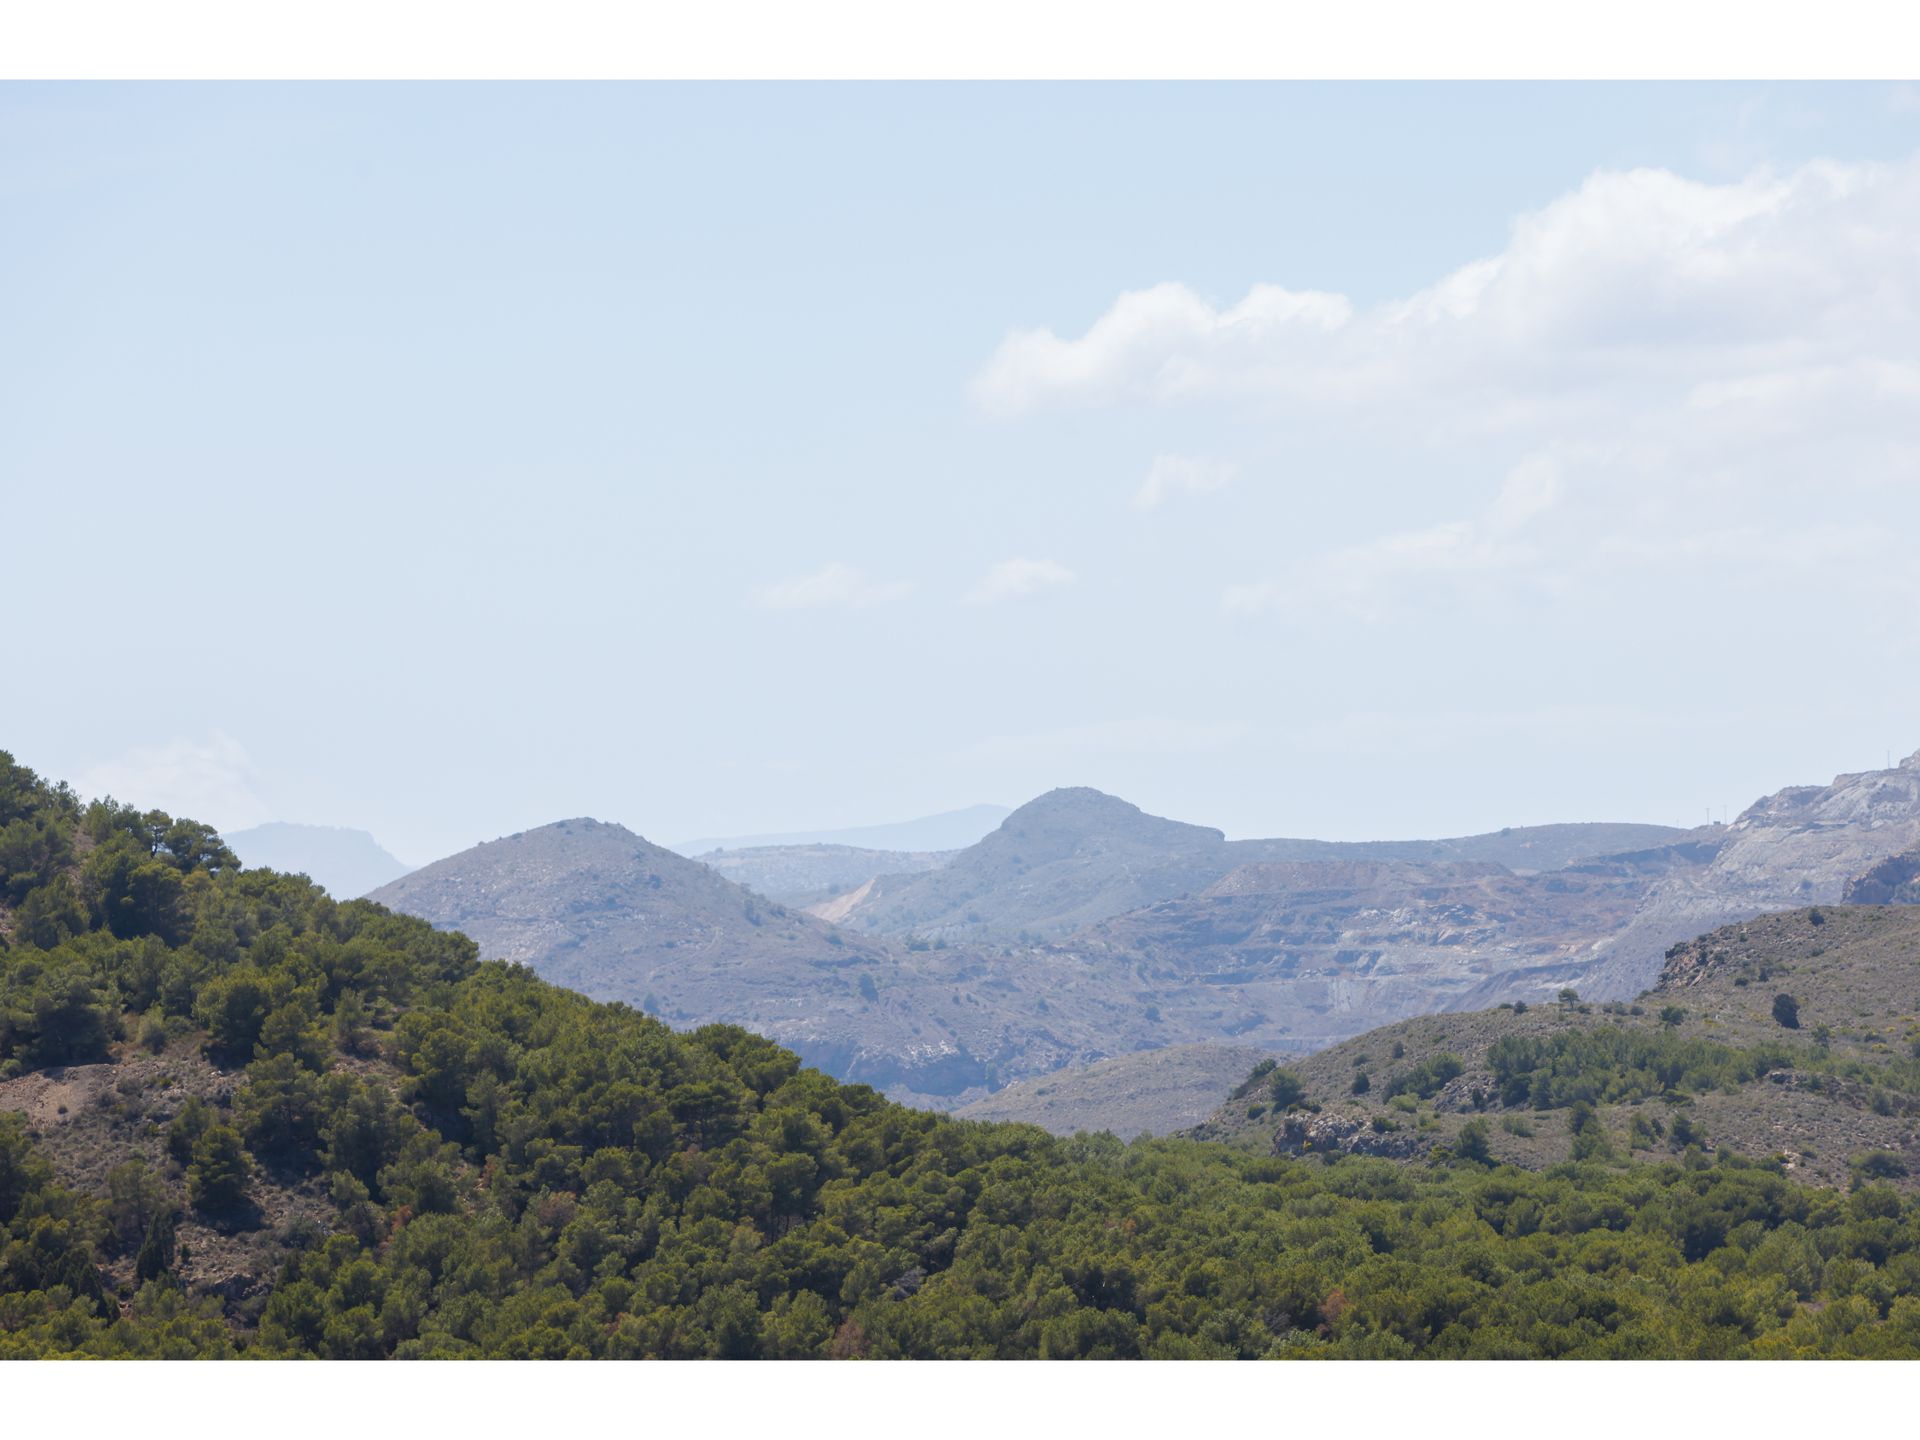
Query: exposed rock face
[1894, 881]
[1299, 955]
[1300, 1134]
[1798, 847]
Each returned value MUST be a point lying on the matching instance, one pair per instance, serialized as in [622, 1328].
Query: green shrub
[218, 1176]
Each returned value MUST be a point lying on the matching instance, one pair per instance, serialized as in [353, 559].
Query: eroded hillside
[1713, 1058]
[1800, 846]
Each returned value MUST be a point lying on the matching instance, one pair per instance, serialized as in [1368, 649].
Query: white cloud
[1638, 279]
[1182, 475]
[835, 586]
[1657, 380]
[1161, 343]
[212, 780]
[1017, 579]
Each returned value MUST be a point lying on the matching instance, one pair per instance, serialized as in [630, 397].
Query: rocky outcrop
[1309, 1134]
[1894, 881]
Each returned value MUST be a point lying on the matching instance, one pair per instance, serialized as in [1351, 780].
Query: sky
[1354, 461]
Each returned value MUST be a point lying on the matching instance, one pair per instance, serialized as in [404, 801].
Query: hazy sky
[1305, 459]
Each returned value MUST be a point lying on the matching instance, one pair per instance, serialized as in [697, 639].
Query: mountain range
[1082, 930]
[1076, 856]
[348, 863]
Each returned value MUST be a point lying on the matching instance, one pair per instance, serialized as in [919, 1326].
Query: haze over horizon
[1349, 462]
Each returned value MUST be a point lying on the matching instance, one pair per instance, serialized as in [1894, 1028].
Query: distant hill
[1150, 1092]
[348, 863]
[1059, 862]
[596, 908]
[1702, 1060]
[949, 830]
[1074, 857]
[807, 874]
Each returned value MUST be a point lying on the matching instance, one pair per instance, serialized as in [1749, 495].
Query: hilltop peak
[1082, 810]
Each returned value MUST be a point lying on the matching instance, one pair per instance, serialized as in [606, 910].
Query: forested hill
[237, 1116]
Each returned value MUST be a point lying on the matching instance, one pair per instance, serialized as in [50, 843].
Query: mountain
[1150, 1092]
[1800, 846]
[1703, 1059]
[809, 874]
[600, 910]
[348, 863]
[949, 830]
[1059, 862]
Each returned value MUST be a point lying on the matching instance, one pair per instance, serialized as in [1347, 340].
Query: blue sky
[443, 460]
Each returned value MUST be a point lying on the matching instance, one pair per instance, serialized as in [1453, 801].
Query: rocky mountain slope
[348, 863]
[1301, 954]
[1800, 846]
[1711, 1058]
[596, 908]
[1894, 881]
